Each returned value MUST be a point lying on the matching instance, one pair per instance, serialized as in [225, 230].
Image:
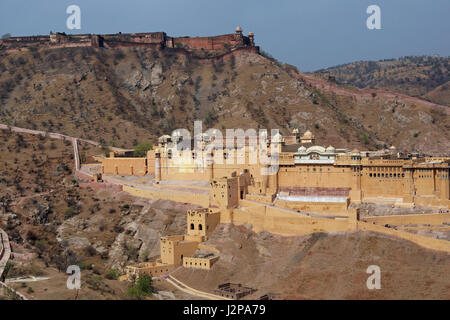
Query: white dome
[302, 149]
[330, 149]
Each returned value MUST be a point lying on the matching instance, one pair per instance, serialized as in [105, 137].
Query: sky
[310, 34]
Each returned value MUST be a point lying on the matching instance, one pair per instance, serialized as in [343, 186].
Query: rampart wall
[426, 242]
[154, 40]
[125, 166]
[184, 197]
[284, 222]
[398, 220]
[325, 208]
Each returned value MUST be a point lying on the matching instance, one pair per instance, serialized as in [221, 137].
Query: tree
[141, 149]
[141, 289]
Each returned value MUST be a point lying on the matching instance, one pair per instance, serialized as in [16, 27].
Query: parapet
[156, 40]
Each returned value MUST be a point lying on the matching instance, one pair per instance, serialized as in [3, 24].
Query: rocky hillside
[54, 221]
[423, 76]
[122, 97]
[322, 266]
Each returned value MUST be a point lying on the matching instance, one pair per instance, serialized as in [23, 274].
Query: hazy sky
[310, 34]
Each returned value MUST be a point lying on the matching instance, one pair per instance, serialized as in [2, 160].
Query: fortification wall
[209, 43]
[199, 263]
[283, 222]
[432, 219]
[431, 201]
[124, 166]
[5, 250]
[315, 176]
[152, 269]
[426, 242]
[184, 197]
[325, 208]
[154, 40]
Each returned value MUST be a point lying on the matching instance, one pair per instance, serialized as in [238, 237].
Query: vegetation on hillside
[415, 75]
[121, 96]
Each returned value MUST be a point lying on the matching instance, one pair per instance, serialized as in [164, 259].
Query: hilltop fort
[155, 40]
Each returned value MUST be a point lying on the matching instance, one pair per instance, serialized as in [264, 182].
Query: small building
[233, 290]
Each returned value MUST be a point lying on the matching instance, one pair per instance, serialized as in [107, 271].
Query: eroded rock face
[151, 75]
[156, 77]
[139, 239]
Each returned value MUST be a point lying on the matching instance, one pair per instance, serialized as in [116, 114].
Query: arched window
[192, 226]
[200, 227]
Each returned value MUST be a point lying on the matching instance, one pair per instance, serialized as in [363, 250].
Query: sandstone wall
[426, 242]
[184, 197]
[432, 219]
[324, 208]
[124, 166]
[284, 222]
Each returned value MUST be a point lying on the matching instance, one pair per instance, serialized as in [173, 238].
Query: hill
[422, 76]
[121, 97]
[322, 266]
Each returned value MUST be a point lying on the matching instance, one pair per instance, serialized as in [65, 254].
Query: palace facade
[309, 176]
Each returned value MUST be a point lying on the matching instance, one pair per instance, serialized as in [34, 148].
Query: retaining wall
[426, 242]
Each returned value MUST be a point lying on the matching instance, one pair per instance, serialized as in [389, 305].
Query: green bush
[69, 213]
[141, 149]
[112, 274]
[364, 138]
[141, 289]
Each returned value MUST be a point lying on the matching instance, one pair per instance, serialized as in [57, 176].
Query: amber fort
[317, 188]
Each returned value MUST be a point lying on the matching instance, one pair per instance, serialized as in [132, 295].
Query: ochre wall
[325, 208]
[124, 166]
[199, 263]
[151, 269]
[174, 248]
[284, 222]
[426, 242]
[184, 197]
[396, 220]
[316, 176]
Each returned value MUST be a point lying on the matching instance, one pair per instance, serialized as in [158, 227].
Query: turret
[157, 166]
[251, 37]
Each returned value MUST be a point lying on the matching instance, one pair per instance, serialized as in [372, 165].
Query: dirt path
[360, 94]
[5, 254]
[185, 288]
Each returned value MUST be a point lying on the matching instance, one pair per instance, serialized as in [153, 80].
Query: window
[200, 227]
[192, 226]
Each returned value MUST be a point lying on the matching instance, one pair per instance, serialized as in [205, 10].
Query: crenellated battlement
[157, 40]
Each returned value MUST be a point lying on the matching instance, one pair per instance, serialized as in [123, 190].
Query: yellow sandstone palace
[314, 189]
[309, 177]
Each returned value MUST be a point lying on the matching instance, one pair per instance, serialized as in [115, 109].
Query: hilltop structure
[315, 189]
[182, 250]
[153, 40]
[310, 177]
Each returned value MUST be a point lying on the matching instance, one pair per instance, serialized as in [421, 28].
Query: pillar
[157, 167]
[408, 186]
[444, 184]
[251, 37]
[355, 193]
[210, 169]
